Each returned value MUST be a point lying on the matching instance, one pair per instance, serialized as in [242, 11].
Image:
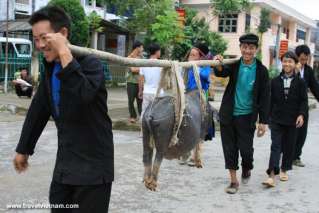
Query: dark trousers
[91, 198]
[20, 92]
[301, 139]
[283, 142]
[132, 93]
[238, 137]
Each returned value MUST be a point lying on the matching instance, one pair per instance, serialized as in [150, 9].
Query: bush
[80, 24]
[273, 72]
[197, 30]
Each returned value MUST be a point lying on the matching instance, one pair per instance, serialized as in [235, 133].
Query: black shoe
[245, 175]
[298, 163]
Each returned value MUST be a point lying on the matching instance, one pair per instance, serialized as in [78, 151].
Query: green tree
[95, 26]
[166, 30]
[80, 25]
[263, 27]
[144, 12]
[223, 7]
[95, 22]
[197, 30]
[157, 19]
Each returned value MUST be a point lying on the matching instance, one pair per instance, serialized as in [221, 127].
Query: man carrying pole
[73, 92]
[246, 98]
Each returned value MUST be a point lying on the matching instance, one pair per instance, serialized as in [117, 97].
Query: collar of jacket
[259, 67]
[258, 63]
[248, 65]
[236, 67]
[283, 76]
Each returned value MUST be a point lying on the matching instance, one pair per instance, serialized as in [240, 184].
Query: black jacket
[285, 111]
[85, 141]
[261, 93]
[311, 82]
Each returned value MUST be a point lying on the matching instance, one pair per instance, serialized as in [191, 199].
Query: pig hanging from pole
[174, 123]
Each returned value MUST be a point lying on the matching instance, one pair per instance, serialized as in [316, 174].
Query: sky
[308, 8]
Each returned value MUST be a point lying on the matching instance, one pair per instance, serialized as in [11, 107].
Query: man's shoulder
[276, 79]
[300, 80]
[90, 61]
[87, 58]
[261, 66]
[308, 68]
[236, 64]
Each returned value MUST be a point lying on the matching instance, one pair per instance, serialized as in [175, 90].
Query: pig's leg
[152, 185]
[148, 147]
[198, 155]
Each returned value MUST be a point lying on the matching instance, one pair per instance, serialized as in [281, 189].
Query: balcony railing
[22, 2]
[23, 7]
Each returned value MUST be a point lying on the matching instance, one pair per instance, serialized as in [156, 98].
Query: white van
[19, 47]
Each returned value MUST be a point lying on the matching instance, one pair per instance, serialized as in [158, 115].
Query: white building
[295, 27]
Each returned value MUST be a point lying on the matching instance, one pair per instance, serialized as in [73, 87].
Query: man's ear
[65, 32]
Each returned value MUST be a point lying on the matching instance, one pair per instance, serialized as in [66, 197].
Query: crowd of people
[73, 92]
[251, 97]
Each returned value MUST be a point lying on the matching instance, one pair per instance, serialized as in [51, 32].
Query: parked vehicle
[19, 55]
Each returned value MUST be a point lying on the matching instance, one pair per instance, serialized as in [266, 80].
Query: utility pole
[7, 50]
[33, 6]
[277, 46]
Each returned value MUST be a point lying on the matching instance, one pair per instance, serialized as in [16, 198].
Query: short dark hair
[249, 38]
[137, 44]
[204, 50]
[24, 68]
[57, 17]
[290, 54]
[302, 49]
[153, 48]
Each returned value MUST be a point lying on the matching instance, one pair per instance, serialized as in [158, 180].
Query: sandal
[283, 176]
[232, 188]
[270, 182]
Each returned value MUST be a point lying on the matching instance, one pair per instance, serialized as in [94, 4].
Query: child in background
[289, 106]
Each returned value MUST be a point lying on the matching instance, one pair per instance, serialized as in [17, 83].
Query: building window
[300, 35]
[247, 23]
[88, 2]
[286, 32]
[22, 2]
[228, 23]
[99, 3]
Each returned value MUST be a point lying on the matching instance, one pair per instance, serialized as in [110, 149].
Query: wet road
[181, 188]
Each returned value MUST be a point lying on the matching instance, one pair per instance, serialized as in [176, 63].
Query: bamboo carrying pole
[81, 51]
[172, 68]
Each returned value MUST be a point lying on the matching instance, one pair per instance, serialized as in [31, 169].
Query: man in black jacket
[74, 94]
[247, 96]
[307, 74]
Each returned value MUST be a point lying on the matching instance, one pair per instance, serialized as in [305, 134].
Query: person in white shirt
[149, 78]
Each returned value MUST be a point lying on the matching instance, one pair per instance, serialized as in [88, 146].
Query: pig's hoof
[150, 184]
[199, 164]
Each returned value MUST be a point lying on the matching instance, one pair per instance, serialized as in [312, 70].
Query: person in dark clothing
[289, 107]
[307, 74]
[246, 98]
[20, 87]
[132, 79]
[74, 94]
